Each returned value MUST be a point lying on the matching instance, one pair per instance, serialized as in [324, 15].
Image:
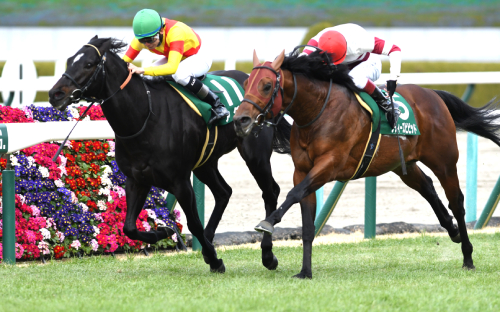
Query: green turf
[413, 274]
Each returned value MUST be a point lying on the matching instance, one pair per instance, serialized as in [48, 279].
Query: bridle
[77, 95]
[260, 119]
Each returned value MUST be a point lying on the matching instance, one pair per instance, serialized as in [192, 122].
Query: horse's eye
[88, 65]
[267, 87]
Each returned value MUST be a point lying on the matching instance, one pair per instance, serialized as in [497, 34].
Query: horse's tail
[281, 139]
[484, 121]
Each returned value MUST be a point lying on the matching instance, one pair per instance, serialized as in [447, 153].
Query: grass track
[411, 274]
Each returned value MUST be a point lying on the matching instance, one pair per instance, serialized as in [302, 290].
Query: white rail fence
[20, 76]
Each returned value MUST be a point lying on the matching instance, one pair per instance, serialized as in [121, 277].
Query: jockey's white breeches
[369, 69]
[194, 66]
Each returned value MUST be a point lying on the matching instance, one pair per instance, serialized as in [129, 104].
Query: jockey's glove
[391, 87]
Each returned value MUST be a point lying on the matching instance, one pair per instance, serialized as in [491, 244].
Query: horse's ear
[95, 37]
[278, 61]
[256, 61]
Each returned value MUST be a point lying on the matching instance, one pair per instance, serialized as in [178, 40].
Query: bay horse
[159, 140]
[331, 130]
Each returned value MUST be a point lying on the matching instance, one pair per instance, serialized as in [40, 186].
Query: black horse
[159, 139]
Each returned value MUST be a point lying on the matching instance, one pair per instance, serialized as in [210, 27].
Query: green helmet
[146, 23]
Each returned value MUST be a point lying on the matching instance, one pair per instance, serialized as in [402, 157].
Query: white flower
[31, 161]
[23, 199]
[106, 181]
[45, 233]
[111, 146]
[101, 205]
[94, 245]
[59, 183]
[63, 170]
[13, 160]
[74, 112]
[84, 207]
[44, 171]
[174, 237]
[96, 231]
[111, 154]
[107, 170]
[151, 214]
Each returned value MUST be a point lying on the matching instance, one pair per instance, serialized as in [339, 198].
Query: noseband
[267, 109]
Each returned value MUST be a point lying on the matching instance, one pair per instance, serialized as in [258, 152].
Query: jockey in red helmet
[352, 45]
[182, 56]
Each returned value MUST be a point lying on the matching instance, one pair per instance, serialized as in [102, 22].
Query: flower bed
[76, 205]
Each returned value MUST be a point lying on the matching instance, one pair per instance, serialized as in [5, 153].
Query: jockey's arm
[394, 52]
[175, 40]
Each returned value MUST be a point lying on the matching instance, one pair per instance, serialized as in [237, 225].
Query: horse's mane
[315, 66]
[118, 46]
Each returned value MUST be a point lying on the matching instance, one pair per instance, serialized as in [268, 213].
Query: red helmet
[333, 43]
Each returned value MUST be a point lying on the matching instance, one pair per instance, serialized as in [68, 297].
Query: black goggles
[148, 39]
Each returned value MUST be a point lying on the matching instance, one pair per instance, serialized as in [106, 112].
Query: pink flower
[94, 245]
[19, 251]
[76, 244]
[146, 225]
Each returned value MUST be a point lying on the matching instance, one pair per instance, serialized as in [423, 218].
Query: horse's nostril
[59, 95]
[245, 121]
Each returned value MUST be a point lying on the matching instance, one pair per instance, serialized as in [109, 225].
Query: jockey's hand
[135, 69]
[391, 87]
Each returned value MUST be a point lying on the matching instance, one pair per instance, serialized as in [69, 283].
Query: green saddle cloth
[231, 96]
[406, 122]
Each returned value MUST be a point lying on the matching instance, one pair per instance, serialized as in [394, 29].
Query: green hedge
[482, 94]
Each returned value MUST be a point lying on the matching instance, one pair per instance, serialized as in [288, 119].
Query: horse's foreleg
[258, 162]
[304, 185]
[185, 195]
[212, 178]
[308, 210]
[420, 182]
[136, 197]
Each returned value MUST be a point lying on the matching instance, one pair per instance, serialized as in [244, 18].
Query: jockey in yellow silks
[183, 56]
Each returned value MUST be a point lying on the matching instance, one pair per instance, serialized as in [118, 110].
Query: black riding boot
[219, 111]
[385, 104]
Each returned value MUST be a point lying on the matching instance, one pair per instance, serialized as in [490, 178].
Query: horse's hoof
[302, 275]
[273, 265]
[456, 239]
[221, 269]
[265, 227]
[468, 267]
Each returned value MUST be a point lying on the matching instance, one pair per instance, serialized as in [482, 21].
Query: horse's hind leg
[447, 175]
[136, 197]
[420, 182]
[257, 158]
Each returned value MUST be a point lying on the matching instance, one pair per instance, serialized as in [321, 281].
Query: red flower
[59, 252]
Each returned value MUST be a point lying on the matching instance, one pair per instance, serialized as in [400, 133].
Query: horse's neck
[309, 100]
[127, 110]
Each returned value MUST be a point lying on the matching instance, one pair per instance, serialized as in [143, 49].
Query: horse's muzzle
[243, 125]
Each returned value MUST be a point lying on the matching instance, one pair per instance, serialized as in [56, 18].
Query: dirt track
[395, 201]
